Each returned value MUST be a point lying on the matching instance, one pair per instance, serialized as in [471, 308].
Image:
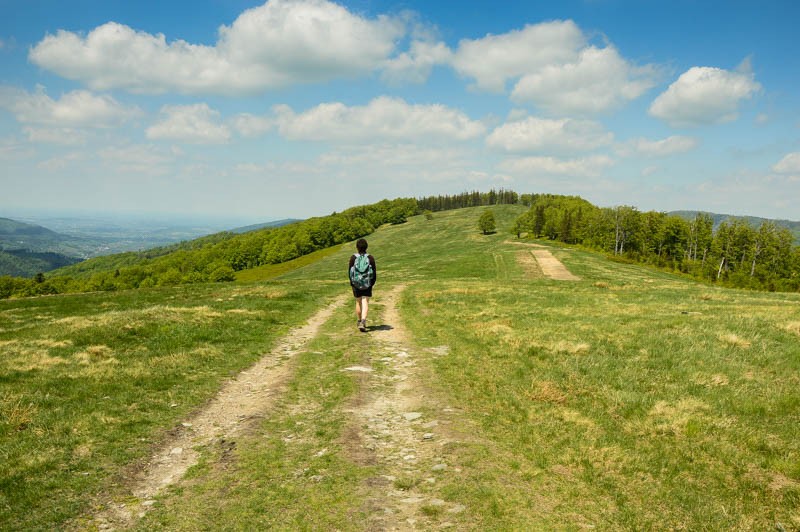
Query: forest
[735, 254]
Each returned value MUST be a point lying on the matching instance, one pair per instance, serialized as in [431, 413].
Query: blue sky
[296, 108]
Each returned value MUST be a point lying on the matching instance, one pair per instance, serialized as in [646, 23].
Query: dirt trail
[247, 397]
[551, 267]
[403, 430]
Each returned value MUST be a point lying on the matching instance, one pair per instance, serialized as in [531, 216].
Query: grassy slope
[630, 399]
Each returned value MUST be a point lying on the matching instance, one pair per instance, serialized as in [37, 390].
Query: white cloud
[56, 135]
[592, 166]
[495, 59]
[554, 69]
[193, 124]
[657, 148]
[138, 159]
[790, 164]
[383, 118]
[597, 81]
[704, 96]
[543, 135]
[415, 65]
[78, 108]
[249, 125]
[274, 45]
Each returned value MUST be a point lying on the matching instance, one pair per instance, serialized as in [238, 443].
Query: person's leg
[358, 308]
[364, 308]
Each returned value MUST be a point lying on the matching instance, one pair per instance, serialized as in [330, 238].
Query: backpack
[361, 272]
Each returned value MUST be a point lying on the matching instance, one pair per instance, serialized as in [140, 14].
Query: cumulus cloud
[592, 166]
[598, 80]
[274, 45]
[553, 68]
[415, 65]
[657, 148]
[789, 165]
[78, 108]
[495, 59]
[704, 96]
[249, 125]
[383, 118]
[192, 124]
[543, 135]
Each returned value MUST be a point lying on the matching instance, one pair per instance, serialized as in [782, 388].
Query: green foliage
[486, 222]
[736, 254]
[24, 263]
[222, 274]
[469, 199]
[219, 256]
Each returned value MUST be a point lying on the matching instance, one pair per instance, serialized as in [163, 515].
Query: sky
[299, 108]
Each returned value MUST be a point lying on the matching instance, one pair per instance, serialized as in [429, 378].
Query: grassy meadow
[630, 399]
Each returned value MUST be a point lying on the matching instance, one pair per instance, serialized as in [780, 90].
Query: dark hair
[361, 245]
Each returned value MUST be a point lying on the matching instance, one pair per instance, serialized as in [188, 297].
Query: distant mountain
[754, 221]
[256, 227]
[12, 229]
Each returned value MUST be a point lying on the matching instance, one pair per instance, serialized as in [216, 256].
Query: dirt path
[240, 400]
[402, 429]
[551, 267]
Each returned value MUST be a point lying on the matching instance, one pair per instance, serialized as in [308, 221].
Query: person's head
[361, 245]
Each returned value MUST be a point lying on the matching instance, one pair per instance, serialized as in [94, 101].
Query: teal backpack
[361, 272]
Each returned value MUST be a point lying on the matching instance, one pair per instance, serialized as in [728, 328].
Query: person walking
[363, 274]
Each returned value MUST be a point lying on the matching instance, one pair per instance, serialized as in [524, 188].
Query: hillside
[255, 227]
[20, 235]
[22, 263]
[735, 254]
[484, 395]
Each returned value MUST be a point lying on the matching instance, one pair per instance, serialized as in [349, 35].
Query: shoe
[362, 325]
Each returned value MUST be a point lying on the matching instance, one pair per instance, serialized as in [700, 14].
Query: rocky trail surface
[241, 400]
[394, 423]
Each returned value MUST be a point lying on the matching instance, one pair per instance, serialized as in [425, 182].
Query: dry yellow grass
[673, 418]
[546, 392]
[572, 348]
[530, 267]
[16, 413]
[793, 327]
[734, 340]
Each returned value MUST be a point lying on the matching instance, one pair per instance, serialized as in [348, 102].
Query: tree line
[214, 258]
[734, 254]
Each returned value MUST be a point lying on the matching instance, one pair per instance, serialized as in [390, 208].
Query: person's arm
[350, 266]
[374, 269]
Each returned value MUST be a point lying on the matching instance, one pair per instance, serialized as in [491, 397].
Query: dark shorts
[361, 293]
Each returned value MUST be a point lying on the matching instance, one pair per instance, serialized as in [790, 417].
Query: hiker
[363, 274]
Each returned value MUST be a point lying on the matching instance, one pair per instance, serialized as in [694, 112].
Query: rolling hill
[484, 396]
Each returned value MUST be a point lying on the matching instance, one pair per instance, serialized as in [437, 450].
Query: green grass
[631, 399]
[88, 383]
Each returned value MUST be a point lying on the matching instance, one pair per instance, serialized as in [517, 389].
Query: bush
[222, 274]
